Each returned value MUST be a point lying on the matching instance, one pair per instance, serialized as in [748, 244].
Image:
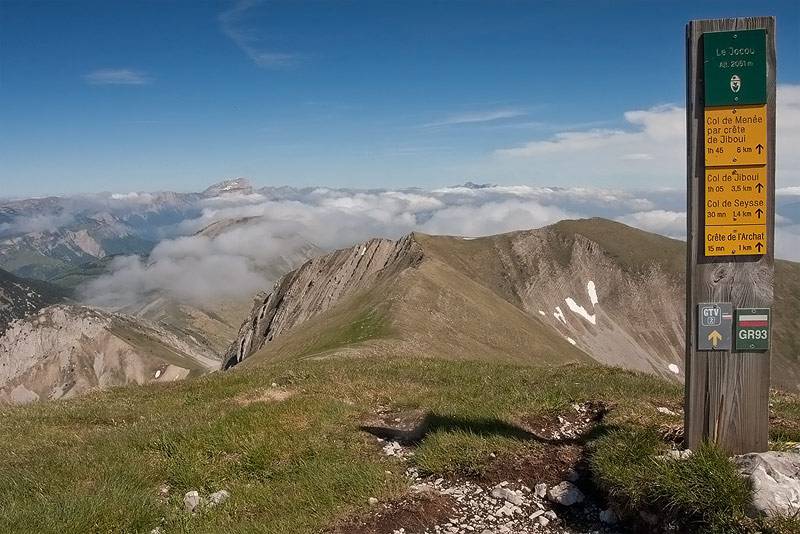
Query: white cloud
[233, 263]
[117, 77]
[281, 222]
[664, 222]
[34, 223]
[637, 157]
[787, 242]
[650, 147]
[257, 236]
[493, 218]
[477, 117]
[233, 24]
[787, 169]
[564, 142]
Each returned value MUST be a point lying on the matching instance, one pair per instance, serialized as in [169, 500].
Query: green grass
[372, 323]
[96, 463]
[73, 276]
[703, 492]
[29, 264]
[462, 452]
[785, 427]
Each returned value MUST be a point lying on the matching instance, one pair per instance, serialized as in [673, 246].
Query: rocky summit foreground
[376, 446]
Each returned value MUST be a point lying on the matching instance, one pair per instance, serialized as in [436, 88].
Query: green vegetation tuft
[703, 491]
[461, 452]
[785, 422]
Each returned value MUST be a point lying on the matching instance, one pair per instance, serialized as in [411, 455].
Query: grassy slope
[632, 248]
[786, 318]
[73, 276]
[432, 310]
[30, 264]
[461, 295]
[149, 346]
[96, 463]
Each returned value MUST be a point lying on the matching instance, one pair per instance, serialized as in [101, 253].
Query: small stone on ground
[565, 494]
[191, 501]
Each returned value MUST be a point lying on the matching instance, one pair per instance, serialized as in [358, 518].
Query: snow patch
[580, 310]
[674, 368]
[560, 315]
[542, 313]
[592, 292]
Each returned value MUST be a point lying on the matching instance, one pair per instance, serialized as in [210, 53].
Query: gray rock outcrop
[776, 481]
[218, 497]
[317, 286]
[65, 350]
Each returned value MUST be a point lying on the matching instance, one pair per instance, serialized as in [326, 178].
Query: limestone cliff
[65, 350]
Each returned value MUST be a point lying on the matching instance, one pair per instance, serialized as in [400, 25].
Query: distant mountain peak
[473, 185]
[226, 187]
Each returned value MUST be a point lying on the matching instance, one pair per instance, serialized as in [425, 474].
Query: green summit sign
[752, 329]
[735, 67]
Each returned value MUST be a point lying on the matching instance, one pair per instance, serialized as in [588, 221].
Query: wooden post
[726, 392]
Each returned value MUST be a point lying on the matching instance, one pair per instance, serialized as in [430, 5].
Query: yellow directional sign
[736, 136]
[730, 240]
[714, 337]
[735, 196]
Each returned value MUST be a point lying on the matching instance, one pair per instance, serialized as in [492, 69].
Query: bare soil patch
[264, 395]
[415, 513]
[550, 464]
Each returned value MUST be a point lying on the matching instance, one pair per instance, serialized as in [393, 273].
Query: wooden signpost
[730, 109]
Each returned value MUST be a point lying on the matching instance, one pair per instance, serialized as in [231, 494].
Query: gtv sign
[714, 326]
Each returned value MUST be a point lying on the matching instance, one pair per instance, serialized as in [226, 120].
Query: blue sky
[175, 95]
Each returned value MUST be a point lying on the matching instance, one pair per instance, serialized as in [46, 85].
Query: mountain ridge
[575, 290]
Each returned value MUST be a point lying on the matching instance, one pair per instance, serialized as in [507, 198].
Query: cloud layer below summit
[237, 262]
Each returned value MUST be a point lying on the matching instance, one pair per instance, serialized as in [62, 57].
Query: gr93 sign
[752, 329]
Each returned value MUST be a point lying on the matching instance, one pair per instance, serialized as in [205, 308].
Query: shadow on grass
[483, 427]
